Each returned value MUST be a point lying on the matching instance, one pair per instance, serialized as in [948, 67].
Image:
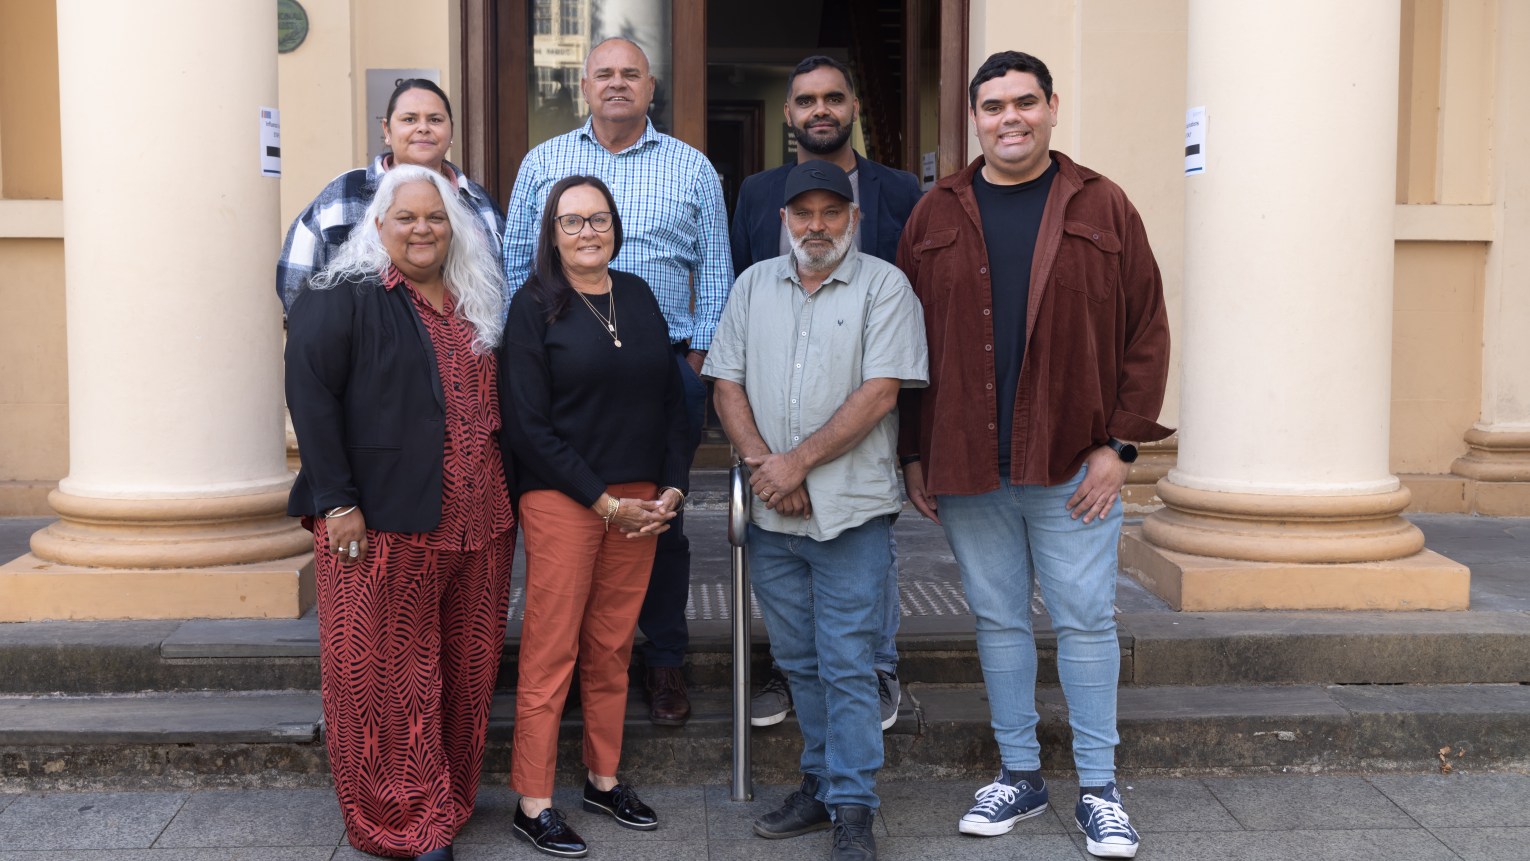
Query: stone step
[1157, 648]
[268, 738]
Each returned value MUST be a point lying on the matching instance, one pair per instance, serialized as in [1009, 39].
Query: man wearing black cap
[809, 357]
[821, 110]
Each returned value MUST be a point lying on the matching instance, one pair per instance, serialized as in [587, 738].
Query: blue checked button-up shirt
[674, 224]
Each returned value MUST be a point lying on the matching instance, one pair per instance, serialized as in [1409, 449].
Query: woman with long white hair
[392, 381]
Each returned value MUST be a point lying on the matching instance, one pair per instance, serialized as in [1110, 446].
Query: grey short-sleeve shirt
[799, 357]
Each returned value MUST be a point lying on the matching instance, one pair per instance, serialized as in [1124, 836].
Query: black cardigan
[366, 402]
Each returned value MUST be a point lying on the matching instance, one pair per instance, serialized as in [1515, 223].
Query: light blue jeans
[824, 603]
[1003, 540]
[885, 658]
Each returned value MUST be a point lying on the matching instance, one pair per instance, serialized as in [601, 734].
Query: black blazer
[366, 402]
[887, 197]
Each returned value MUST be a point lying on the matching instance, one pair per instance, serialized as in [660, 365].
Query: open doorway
[892, 49]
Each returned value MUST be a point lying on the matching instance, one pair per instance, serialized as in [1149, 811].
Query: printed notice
[1195, 141]
[270, 142]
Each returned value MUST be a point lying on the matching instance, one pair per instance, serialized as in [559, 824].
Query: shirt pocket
[1089, 261]
[933, 262]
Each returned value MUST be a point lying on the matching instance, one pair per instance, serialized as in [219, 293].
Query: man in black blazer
[821, 109]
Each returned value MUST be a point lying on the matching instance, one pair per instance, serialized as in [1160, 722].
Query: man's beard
[820, 146]
[826, 261]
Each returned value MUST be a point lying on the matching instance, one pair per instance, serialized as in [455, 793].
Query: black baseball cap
[817, 174]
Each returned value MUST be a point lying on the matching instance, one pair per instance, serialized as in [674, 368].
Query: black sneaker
[621, 804]
[799, 814]
[853, 840]
[772, 702]
[549, 834]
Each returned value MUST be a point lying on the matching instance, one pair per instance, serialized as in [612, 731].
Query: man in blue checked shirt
[675, 237]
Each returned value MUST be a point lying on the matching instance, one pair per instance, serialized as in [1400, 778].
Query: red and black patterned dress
[411, 635]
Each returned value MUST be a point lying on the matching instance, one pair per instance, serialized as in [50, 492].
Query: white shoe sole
[980, 828]
[771, 720]
[1108, 850]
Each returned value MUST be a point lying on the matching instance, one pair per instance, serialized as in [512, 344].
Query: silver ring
[355, 549]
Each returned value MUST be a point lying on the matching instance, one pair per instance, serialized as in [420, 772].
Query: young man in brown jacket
[1049, 349]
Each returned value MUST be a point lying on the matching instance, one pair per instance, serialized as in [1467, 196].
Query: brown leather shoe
[668, 703]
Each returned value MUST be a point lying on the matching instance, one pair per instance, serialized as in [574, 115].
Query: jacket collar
[1068, 170]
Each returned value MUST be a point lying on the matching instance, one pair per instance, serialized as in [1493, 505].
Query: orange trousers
[584, 588]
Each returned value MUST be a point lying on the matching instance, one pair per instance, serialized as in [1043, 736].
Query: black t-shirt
[1011, 219]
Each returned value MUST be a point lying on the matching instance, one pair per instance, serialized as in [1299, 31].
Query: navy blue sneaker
[1107, 831]
[1000, 805]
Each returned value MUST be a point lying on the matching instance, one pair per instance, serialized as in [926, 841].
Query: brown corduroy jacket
[1097, 335]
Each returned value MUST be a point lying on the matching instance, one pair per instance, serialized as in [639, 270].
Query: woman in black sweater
[595, 421]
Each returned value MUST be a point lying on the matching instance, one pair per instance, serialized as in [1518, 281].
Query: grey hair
[472, 271]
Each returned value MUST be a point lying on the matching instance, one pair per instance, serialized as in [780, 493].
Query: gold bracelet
[611, 511]
[683, 497]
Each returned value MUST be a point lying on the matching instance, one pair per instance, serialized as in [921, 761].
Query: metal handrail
[738, 535]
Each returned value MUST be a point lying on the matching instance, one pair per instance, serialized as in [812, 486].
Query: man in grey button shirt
[809, 356]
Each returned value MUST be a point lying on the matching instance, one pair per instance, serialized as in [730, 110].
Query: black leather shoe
[799, 814]
[549, 833]
[853, 840]
[621, 804]
[442, 854]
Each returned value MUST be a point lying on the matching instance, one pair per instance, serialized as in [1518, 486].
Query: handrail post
[738, 535]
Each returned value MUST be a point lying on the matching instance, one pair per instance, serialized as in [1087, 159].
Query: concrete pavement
[1461, 817]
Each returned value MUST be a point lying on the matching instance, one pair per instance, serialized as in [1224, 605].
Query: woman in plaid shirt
[418, 130]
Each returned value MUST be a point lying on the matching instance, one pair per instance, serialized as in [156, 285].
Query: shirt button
[804, 334]
[1095, 237]
[794, 400]
[988, 347]
[990, 426]
[986, 312]
[983, 270]
[990, 385]
[927, 242]
[799, 364]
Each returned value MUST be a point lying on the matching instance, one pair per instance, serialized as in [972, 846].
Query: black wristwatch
[1124, 450]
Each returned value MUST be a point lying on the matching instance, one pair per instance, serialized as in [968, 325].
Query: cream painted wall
[315, 89]
[29, 142]
[34, 384]
[399, 34]
[1436, 352]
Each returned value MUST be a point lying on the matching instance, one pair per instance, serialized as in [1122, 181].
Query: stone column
[1281, 497]
[1499, 458]
[174, 504]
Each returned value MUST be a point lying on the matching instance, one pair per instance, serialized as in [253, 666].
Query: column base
[1422, 581]
[1154, 460]
[1498, 462]
[33, 589]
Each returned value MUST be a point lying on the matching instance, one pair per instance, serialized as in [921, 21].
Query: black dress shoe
[621, 804]
[800, 813]
[442, 854]
[549, 833]
[668, 702]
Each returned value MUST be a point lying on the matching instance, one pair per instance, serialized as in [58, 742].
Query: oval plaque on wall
[291, 25]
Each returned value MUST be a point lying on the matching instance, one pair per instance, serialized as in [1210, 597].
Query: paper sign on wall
[1195, 141]
[270, 142]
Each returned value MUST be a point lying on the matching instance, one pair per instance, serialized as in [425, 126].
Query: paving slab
[88, 820]
[1461, 800]
[283, 853]
[933, 808]
[1389, 845]
[1156, 805]
[255, 817]
[172, 718]
[1307, 803]
[1484, 844]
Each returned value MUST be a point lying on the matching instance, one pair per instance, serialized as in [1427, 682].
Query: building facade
[1349, 276]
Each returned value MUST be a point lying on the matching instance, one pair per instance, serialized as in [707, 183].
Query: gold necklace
[611, 323]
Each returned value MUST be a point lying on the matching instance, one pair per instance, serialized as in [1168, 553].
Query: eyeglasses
[573, 225]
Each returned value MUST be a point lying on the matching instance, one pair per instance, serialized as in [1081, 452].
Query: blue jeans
[885, 658]
[662, 617]
[823, 603]
[1002, 540]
